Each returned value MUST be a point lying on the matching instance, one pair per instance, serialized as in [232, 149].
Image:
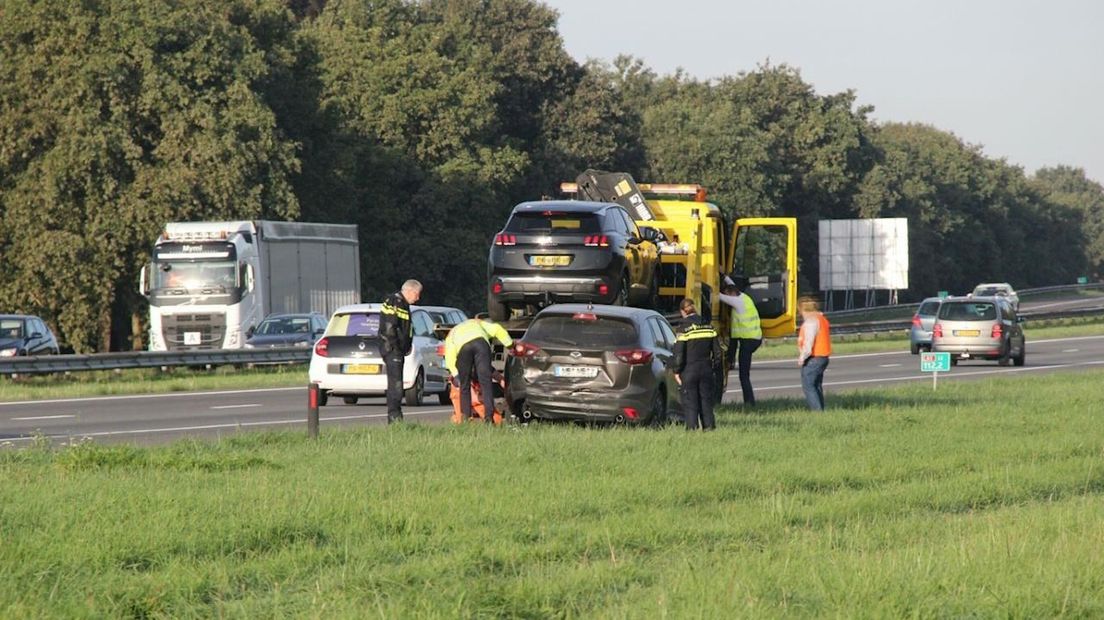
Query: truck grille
[180, 331]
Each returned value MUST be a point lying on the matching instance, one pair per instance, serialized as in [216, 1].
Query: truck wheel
[416, 392]
[498, 310]
[350, 400]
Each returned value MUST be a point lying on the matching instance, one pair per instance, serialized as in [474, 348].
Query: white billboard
[864, 254]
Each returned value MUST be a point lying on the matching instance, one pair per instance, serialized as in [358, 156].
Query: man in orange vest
[814, 346]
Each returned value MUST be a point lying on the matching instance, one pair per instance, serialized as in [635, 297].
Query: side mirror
[249, 277]
[143, 279]
[249, 332]
[1021, 319]
[652, 234]
[319, 332]
[34, 336]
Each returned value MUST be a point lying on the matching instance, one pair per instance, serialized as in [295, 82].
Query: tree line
[424, 122]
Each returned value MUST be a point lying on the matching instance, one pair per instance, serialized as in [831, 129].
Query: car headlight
[8, 352]
[247, 346]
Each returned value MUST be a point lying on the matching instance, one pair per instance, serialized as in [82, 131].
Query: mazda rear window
[972, 311]
[583, 333]
[354, 324]
[553, 222]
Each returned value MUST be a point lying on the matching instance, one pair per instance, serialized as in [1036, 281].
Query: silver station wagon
[979, 328]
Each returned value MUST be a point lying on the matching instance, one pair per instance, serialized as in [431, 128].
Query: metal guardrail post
[312, 410]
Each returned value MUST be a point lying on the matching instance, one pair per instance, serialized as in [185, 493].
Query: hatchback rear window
[928, 308]
[972, 311]
[583, 333]
[554, 222]
[11, 328]
[354, 324]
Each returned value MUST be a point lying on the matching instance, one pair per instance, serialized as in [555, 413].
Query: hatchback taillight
[996, 333]
[916, 320]
[937, 331]
[524, 349]
[322, 347]
[634, 356]
[596, 241]
[505, 239]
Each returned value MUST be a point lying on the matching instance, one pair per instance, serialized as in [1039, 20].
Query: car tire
[622, 298]
[954, 361]
[497, 310]
[350, 400]
[915, 348]
[1005, 358]
[323, 397]
[658, 418]
[1019, 359]
[416, 392]
[444, 398]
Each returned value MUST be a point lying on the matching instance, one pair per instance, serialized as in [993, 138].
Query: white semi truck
[210, 283]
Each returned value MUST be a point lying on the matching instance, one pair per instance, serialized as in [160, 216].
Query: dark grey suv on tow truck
[571, 251]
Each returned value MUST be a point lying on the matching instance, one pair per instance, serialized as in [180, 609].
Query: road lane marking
[1070, 350]
[889, 365]
[204, 427]
[44, 417]
[140, 396]
[236, 406]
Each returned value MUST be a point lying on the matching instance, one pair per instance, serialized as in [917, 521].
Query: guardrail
[889, 326]
[39, 364]
[1025, 293]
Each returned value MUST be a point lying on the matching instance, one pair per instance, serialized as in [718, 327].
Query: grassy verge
[981, 499]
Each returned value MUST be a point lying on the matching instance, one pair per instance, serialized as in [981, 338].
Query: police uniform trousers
[475, 358]
[697, 395]
[394, 364]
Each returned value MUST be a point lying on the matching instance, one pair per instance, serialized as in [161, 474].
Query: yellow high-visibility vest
[468, 331]
[746, 325]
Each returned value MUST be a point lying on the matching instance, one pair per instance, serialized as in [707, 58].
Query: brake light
[596, 241]
[524, 349]
[996, 333]
[322, 347]
[441, 350]
[585, 316]
[505, 239]
[496, 288]
[916, 320]
[603, 289]
[630, 413]
[634, 356]
[937, 331]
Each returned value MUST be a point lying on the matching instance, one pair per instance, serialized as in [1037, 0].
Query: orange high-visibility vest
[822, 346]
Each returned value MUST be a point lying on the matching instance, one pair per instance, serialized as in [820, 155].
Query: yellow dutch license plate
[362, 369]
[967, 332]
[549, 261]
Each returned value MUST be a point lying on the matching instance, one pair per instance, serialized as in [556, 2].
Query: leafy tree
[1068, 187]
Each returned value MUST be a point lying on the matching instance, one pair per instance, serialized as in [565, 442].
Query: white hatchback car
[346, 361]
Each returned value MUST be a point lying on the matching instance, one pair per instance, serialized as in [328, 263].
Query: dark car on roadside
[287, 330]
[22, 334]
[979, 328]
[596, 363]
[571, 251]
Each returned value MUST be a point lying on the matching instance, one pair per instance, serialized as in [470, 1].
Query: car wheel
[954, 361]
[1019, 359]
[350, 400]
[497, 310]
[323, 397]
[622, 298]
[1005, 358]
[659, 409]
[444, 398]
[416, 392]
[915, 348]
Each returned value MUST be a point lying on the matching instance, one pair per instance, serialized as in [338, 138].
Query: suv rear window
[354, 324]
[968, 311]
[554, 222]
[928, 308]
[564, 330]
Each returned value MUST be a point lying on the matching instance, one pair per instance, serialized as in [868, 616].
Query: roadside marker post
[312, 411]
[935, 363]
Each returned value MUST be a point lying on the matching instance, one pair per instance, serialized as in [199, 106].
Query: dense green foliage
[424, 122]
[896, 503]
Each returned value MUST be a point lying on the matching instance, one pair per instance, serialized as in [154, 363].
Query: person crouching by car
[468, 351]
[697, 349]
[814, 346]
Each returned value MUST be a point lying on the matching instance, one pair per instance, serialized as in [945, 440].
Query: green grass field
[981, 499]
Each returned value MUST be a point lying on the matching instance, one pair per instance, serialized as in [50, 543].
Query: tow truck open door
[764, 250]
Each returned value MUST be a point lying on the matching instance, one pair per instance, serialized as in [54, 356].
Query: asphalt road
[150, 419]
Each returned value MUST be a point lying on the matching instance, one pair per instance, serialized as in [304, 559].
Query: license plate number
[192, 338]
[586, 372]
[549, 261]
[967, 332]
[362, 369]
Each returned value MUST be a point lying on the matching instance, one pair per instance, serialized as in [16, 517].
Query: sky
[1024, 80]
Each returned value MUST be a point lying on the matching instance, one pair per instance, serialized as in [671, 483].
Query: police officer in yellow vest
[468, 349]
[697, 349]
[746, 332]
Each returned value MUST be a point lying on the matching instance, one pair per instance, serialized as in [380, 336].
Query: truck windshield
[195, 276]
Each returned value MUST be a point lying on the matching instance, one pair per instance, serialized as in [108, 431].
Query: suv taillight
[937, 331]
[916, 320]
[505, 239]
[322, 347]
[634, 356]
[596, 241]
[996, 333]
[524, 349]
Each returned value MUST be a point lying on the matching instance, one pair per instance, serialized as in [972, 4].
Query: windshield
[11, 328]
[354, 324]
[564, 330]
[554, 222]
[220, 275]
[284, 325]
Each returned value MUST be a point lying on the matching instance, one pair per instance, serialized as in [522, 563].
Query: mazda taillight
[524, 349]
[322, 347]
[631, 413]
[505, 239]
[996, 333]
[634, 356]
[596, 241]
